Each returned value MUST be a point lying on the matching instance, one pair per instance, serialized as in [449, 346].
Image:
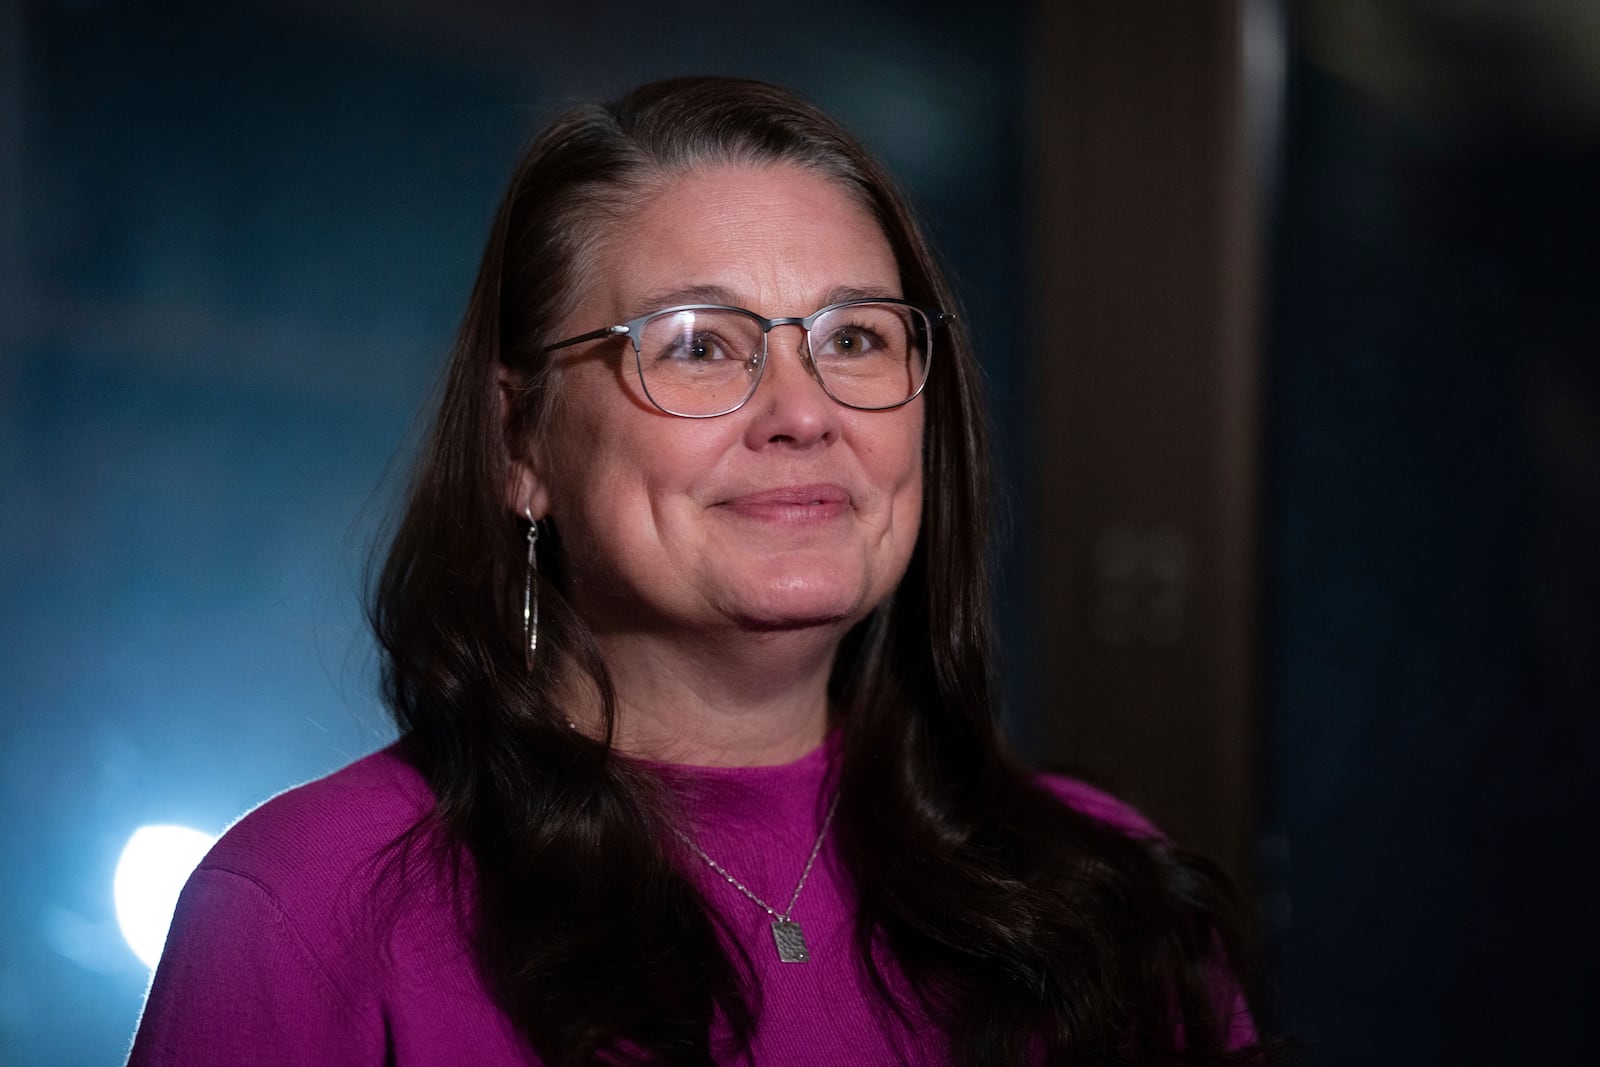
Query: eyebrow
[717, 294]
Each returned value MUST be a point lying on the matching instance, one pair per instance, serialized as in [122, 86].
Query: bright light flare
[155, 863]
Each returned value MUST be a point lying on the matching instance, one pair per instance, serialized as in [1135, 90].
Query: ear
[526, 492]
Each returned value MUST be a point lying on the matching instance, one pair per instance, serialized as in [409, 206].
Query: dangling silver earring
[530, 592]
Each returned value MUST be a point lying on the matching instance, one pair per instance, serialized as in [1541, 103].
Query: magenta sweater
[291, 944]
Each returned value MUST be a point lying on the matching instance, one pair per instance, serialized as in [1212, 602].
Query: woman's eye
[696, 348]
[852, 341]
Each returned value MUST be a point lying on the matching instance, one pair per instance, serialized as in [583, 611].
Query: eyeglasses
[699, 361]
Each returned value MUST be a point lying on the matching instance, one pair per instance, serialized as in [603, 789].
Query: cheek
[894, 461]
[630, 476]
[915, 450]
[903, 451]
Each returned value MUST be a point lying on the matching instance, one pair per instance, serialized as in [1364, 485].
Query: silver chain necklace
[786, 932]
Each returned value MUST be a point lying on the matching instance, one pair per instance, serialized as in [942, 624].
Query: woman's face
[791, 512]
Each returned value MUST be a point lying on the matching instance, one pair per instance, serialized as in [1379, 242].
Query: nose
[789, 407]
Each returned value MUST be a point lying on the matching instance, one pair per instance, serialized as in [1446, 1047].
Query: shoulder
[332, 825]
[319, 853]
[1222, 985]
[1096, 803]
[281, 938]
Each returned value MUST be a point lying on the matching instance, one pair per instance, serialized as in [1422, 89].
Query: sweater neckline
[801, 766]
[733, 799]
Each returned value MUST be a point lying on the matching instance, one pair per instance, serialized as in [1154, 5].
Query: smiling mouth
[793, 503]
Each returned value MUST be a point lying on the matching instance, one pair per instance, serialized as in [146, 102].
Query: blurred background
[1289, 316]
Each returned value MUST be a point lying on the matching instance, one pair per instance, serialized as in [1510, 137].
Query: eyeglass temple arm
[592, 335]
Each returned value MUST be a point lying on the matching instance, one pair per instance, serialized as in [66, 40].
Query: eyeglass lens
[705, 361]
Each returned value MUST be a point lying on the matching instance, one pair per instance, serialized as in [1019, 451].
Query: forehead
[777, 238]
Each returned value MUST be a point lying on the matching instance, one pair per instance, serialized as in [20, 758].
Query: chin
[799, 593]
[792, 609]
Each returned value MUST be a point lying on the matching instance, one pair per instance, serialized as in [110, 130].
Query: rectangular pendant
[790, 940]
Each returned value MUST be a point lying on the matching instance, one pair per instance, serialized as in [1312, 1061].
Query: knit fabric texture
[305, 937]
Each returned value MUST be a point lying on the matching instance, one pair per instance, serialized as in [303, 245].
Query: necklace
[786, 932]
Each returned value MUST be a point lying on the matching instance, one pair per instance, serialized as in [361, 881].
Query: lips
[791, 503]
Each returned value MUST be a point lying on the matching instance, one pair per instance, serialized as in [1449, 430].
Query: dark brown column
[1144, 369]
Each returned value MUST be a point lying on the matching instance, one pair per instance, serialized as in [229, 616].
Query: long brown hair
[1025, 928]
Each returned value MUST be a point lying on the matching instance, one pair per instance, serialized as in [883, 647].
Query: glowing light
[155, 863]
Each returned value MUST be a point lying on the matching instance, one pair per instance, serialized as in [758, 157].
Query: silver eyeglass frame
[633, 329]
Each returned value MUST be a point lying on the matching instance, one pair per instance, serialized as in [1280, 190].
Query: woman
[686, 630]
